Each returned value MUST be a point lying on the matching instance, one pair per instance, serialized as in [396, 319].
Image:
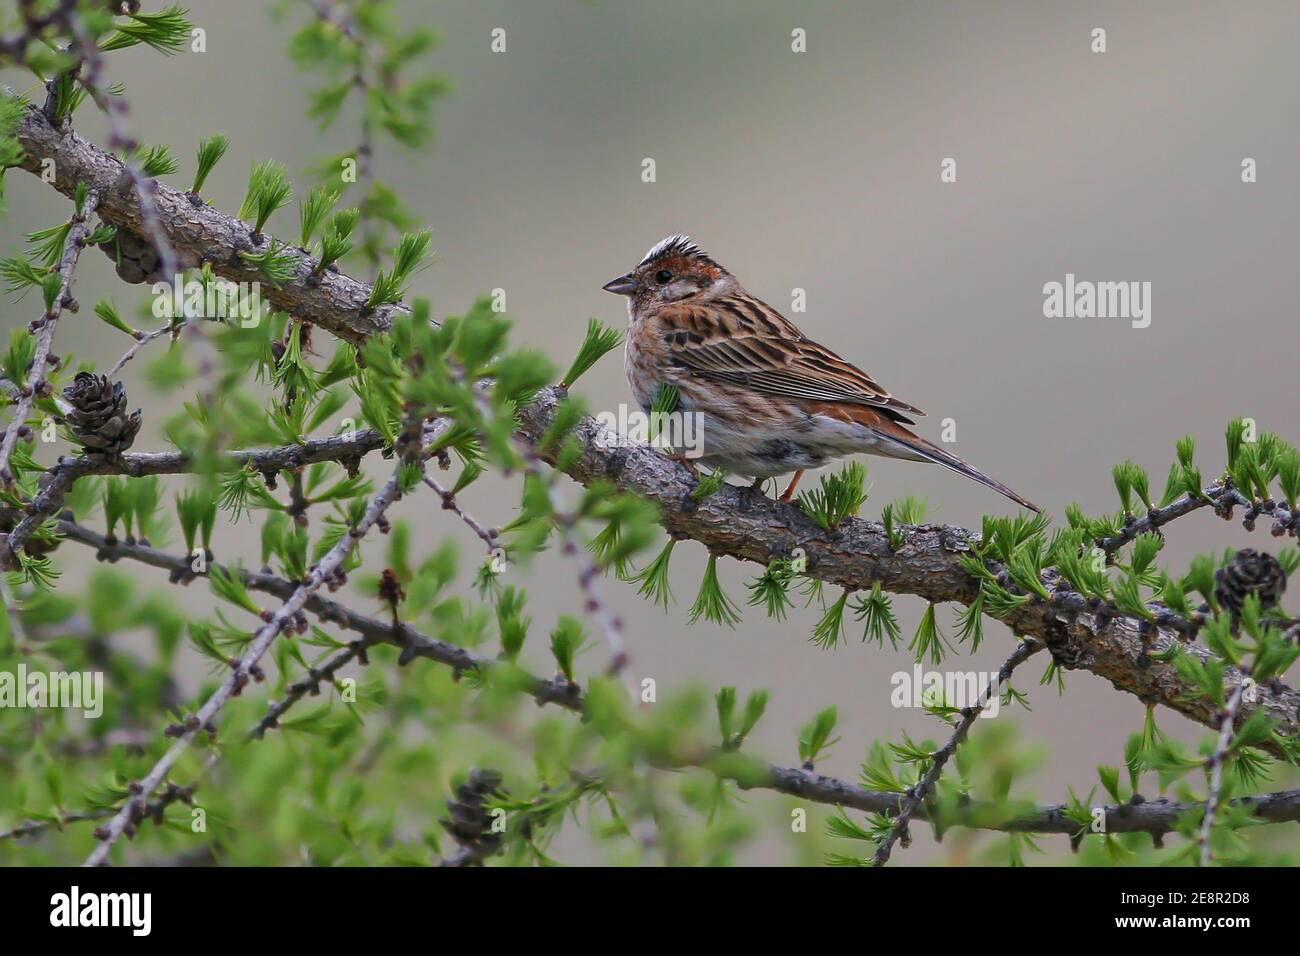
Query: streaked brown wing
[745, 342]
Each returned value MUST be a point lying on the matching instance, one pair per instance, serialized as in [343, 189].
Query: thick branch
[198, 231]
[739, 523]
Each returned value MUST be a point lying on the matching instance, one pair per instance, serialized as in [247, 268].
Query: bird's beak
[623, 285]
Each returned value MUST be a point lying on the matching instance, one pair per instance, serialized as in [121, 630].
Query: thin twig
[925, 786]
[356, 651]
[1215, 764]
[144, 338]
[488, 535]
[72, 246]
[348, 449]
[239, 675]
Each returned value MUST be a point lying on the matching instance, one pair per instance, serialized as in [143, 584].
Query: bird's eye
[663, 277]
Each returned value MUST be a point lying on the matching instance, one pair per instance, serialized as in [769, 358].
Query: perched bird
[773, 400]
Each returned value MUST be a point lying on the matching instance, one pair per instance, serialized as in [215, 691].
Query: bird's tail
[925, 451]
[903, 443]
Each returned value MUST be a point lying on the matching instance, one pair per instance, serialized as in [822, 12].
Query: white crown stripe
[677, 244]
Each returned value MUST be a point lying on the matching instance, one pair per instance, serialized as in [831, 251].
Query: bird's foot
[789, 489]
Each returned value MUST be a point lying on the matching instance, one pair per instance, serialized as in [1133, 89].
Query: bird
[772, 400]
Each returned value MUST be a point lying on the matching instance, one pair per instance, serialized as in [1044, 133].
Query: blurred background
[820, 170]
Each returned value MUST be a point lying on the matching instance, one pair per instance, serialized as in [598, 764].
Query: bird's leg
[757, 485]
[789, 489]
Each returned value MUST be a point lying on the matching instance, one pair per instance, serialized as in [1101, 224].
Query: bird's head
[675, 270]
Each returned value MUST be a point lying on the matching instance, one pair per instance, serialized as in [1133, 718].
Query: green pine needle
[712, 603]
[20, 274]
[268, 190]
[829, 631]
[771, 589]
[566, 640]
[709, 484]
[815, 737]
[653, 578]
[277, 264]
[928, 641]
[600, 339]
[1236, 438]
[337, 239]
[47, 244]
[409, 256]
[313, 210]
[210, 152]
[838, 498]
[970, 623]
[877, 614]
[167, 31]
[228, 586]
[156, 161]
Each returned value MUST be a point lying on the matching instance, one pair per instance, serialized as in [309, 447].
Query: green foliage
[109, 314]
[829, 631]
[336, 242]
[276, 262]
[1131, 480]
[838, 497]
[928, 641]
[268, 190]
[12, 109]
[653, 578]
[599, 340]
[211, 150]
[155, 161]
[771, 589]
[228, 586]
[712, 603]
[908, 511]
[815, 738]
[734, 732]
[876, 613]
[566, 640]
[409, 256]
[167, 31]
[709, 484]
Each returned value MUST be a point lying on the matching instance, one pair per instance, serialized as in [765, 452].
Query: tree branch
[261, 642]
[915, 797]
[1153, 816]
[348, 449]
[732, 522]
[72, 246]
[738, 523]
[335, 302]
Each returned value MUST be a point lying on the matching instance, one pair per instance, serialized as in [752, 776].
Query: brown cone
[98, 418]
[1249, 572]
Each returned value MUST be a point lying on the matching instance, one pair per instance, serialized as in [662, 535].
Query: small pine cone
[134, 257]
[1249, 572]
[467, 820]
[98, 418]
